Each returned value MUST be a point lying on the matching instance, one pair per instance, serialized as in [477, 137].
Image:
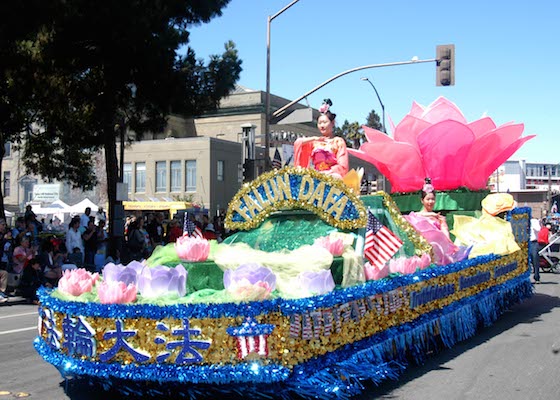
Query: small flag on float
[190, 228]
[381, 244]
[277, 161]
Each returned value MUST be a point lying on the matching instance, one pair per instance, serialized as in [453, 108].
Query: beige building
[198, 159]
[203, 170]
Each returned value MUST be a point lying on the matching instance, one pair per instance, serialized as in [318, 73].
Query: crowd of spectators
[34, 254]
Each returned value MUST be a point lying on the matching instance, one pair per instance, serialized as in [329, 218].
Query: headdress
[325, 106]
[428, 187]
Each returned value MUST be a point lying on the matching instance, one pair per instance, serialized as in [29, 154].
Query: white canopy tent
[80, 207]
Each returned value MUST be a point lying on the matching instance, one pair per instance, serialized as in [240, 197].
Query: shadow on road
[527, 312]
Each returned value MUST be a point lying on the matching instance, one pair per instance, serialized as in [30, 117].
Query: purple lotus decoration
[128, 274]
[161, 280]
[316, 282]
[250, 282]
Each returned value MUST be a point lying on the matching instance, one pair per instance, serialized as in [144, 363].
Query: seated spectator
[51, 272]
[22, 254]
[76, 257]
[209, 232]
[114, 256]
[32, 280]
[6, 260]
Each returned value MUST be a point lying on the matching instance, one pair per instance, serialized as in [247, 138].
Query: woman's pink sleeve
[341, 166]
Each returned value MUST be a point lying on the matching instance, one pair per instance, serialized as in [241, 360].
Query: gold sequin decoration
[267, 209]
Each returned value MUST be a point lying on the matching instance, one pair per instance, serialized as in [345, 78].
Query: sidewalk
[12, 300]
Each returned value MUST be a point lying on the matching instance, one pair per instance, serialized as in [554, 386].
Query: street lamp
[380, 102]
[267, 105]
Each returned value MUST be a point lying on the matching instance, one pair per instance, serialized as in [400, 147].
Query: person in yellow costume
[488, 234]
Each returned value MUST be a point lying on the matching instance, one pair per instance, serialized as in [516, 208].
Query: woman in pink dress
[433, 227]
[327, 153]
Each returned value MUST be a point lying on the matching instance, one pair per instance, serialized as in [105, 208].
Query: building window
[220, 172]
[175, 176]
[140, 181]
[7, 150]
[190, 167]
[7, 182]
[127, 175]
[161, 176]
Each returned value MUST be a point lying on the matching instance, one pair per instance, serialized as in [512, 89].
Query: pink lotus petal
[478, 158]
[441, 110]
[444, 148]
[416, 110]
[373, 273]
[482, 126]
[409, 128]
[335, 246]
[192, 249]
[399, 162]
[116, 293]
[77, 281]
[375, 136]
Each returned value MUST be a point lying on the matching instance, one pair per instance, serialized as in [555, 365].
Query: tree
[110, 66]
[351, 132]
[374, 121]
[15, 73]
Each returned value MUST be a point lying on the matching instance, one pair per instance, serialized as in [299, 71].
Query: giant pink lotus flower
[192, 249]
[116, 292]
[77, 281]
[438, 142]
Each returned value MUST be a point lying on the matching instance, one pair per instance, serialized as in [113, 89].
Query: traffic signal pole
[282, 110]
[445, 72]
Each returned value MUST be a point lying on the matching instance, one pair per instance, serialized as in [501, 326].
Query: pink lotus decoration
[250, 282]
[438, 142]
[334, 245]
[160, 280]
[373, 273]
[192, 249]
[116, 292]
[406, 265]
[77, 281]
[128, 274]
[315, 283]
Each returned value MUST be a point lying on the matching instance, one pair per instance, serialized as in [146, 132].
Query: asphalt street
[516, 358]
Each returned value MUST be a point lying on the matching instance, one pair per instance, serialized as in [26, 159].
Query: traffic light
[445, 67]
[248, 170]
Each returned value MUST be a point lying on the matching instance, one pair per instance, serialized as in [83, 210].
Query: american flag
[190, 228]
[277, 161]
[381, 244]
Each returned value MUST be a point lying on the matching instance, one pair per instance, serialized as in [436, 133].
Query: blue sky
[506, 57]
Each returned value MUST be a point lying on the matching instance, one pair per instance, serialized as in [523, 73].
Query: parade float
[287, 306]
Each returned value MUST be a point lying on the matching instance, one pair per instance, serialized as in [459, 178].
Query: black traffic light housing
[248, 170]
[445, 68]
